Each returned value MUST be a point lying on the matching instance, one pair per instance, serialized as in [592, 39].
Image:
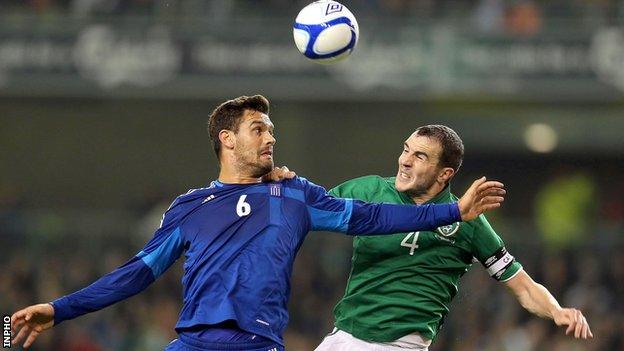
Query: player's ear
[227, 138]
[445, 174]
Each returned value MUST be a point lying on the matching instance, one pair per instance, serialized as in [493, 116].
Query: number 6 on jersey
[242, 207]
[413, 246]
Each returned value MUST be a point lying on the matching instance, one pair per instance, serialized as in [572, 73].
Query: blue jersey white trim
[239, 250]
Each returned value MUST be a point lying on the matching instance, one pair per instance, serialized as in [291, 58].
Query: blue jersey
[239, 243]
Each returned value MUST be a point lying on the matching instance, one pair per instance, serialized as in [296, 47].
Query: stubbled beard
[255, 169]
[250, 162]
[259, 169]
[421, 189]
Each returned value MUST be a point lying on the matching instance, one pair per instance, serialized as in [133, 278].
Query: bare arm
[536, 299]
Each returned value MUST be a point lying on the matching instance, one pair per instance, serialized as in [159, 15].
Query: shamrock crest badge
[448, 230]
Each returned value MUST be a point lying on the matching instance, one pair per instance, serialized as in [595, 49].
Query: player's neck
[233, 175]
[431, 193]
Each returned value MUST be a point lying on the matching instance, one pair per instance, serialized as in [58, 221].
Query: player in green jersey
[401, 286]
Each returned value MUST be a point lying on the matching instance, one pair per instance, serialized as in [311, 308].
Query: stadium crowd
[520, 12]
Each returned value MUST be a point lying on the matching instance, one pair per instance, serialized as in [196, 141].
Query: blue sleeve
[360, 218]
[129, 279]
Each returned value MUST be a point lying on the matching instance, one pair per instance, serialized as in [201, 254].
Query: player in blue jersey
[239, 237]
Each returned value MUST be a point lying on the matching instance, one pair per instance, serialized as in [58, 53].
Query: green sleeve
[490, 250]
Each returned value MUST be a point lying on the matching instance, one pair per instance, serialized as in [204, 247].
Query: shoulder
[190, 199]
[479, 231]
[361, 186]
[369, 181]
[193, 194]
[296, 182]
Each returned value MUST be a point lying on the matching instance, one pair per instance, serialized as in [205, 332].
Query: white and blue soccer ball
[325, 31]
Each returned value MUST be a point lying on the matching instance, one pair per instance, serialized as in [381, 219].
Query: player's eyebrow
[417, 153]
[421, 153]
[262, 123]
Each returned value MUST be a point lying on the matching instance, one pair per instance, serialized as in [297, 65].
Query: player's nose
[405, 162]
[270, 140]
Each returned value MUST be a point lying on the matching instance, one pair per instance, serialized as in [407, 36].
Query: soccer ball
[325, 31]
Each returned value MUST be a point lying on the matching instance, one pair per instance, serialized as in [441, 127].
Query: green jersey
[403, 283]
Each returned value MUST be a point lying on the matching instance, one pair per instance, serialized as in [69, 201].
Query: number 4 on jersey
[242, 207]
[413, 246]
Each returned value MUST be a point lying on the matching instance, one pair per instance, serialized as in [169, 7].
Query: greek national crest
[448, 230]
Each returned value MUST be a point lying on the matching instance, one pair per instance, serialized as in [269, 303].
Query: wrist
[60, 311]
[554, 311]
[456, 212]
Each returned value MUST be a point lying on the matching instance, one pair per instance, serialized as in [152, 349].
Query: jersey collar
[218, 184]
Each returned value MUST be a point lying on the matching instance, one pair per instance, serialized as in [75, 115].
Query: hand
[32, 320]
[480, 197]
[575, 321]
[278, 174]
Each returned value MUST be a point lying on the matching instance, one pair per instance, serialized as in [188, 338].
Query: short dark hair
[228, 116]
[452, 145]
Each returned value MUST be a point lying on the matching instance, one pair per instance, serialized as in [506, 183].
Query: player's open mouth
[267, 154]
[404, 175]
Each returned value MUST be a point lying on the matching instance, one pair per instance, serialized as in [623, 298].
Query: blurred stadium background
[103, 105]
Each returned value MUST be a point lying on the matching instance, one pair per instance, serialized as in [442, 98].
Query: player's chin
[265, 166]
[402, 185]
